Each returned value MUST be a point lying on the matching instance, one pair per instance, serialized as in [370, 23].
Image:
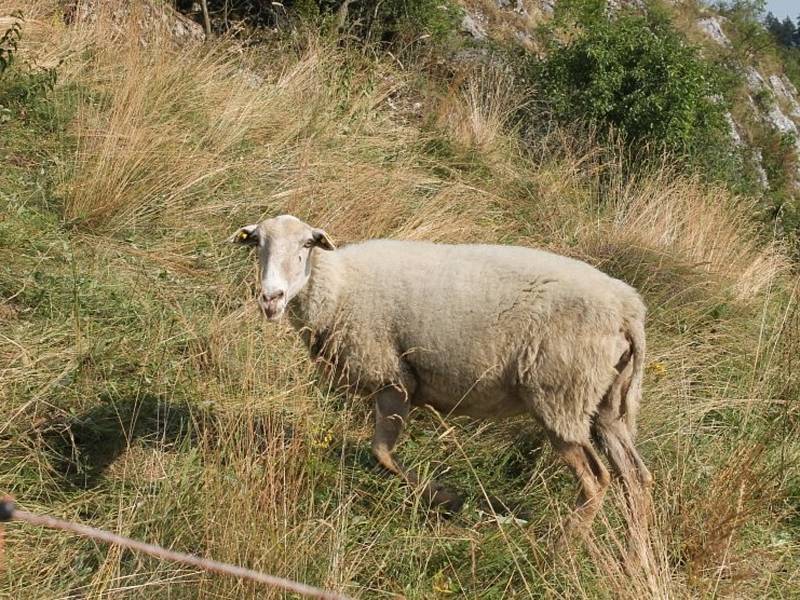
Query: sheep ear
[246, 236]
[322, 240]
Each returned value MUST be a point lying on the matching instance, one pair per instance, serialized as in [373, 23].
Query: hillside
[145, 394]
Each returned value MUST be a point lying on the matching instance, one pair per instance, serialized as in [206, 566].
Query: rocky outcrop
[761, 173]
[779, 91]
[754, 79]
[712, 27]
[755, 153]
[473, 26]
[736, 138]
[150, 17]
[786, 92]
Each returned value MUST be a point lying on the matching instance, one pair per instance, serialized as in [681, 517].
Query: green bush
[373, 20]
[634, 74]
[780, 164]
[394, 20]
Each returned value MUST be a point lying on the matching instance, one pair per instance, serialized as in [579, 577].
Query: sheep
[480, 330]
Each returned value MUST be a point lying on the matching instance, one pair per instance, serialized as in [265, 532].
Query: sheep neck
[314, 307]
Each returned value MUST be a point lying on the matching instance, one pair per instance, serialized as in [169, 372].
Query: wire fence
[9, 512]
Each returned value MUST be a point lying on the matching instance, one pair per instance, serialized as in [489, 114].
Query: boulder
[149, 17]
[712, 27]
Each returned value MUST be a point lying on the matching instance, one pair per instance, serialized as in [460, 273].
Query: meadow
[143, 392]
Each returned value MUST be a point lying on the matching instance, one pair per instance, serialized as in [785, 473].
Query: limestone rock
[712, 27]
[149, 17]
[472, 26]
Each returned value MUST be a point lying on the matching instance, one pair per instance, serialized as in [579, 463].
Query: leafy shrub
[404, 18]
[790, 58]
[387, 20]
[780, 164]
[27, 90]
[634, 74]
[374, 20]
[749, 38]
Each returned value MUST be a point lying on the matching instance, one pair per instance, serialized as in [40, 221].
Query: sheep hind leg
[593, 479]
[391, 411]
[617, 442]
[611, 428]
[613, 432]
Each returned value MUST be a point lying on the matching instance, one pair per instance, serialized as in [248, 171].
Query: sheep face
[284, 245]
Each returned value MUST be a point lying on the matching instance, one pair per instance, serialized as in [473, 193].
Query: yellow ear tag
[242, 236]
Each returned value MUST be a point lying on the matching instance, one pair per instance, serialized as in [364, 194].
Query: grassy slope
[144, 394]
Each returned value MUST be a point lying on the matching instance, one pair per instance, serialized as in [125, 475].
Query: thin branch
[9, 512]
[206, 18]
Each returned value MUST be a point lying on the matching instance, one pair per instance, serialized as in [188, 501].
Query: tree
[788, 32]
[784, 32]
[772, 23]
[796, 37]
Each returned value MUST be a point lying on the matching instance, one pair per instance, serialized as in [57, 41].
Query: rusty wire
[9, 512]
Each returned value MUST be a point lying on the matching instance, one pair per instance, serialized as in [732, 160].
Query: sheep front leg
[391, 411]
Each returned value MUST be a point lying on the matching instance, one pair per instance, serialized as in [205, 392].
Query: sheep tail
[633, 394]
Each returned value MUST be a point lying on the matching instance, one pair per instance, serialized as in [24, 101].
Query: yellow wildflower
[657, 368]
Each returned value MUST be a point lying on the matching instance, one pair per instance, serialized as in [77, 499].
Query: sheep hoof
[569, 539]
[453, 505]
[447, 501]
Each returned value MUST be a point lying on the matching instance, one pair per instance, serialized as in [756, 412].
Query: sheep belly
[485, 400]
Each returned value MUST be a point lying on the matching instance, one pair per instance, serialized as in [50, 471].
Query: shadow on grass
[83, 447]
[503, 476]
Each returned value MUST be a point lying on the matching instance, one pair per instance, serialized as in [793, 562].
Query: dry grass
[477, 110]
[704, 226]
[145, 394]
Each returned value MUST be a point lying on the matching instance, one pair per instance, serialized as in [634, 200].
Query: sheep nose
[272, 296]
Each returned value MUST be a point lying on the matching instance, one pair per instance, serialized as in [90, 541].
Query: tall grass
[144, 393]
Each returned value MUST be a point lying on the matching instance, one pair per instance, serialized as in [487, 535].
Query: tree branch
[206, 19]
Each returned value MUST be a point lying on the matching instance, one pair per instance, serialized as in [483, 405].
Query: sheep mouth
[273, 311]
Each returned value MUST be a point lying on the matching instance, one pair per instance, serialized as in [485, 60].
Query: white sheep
[479, 330]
